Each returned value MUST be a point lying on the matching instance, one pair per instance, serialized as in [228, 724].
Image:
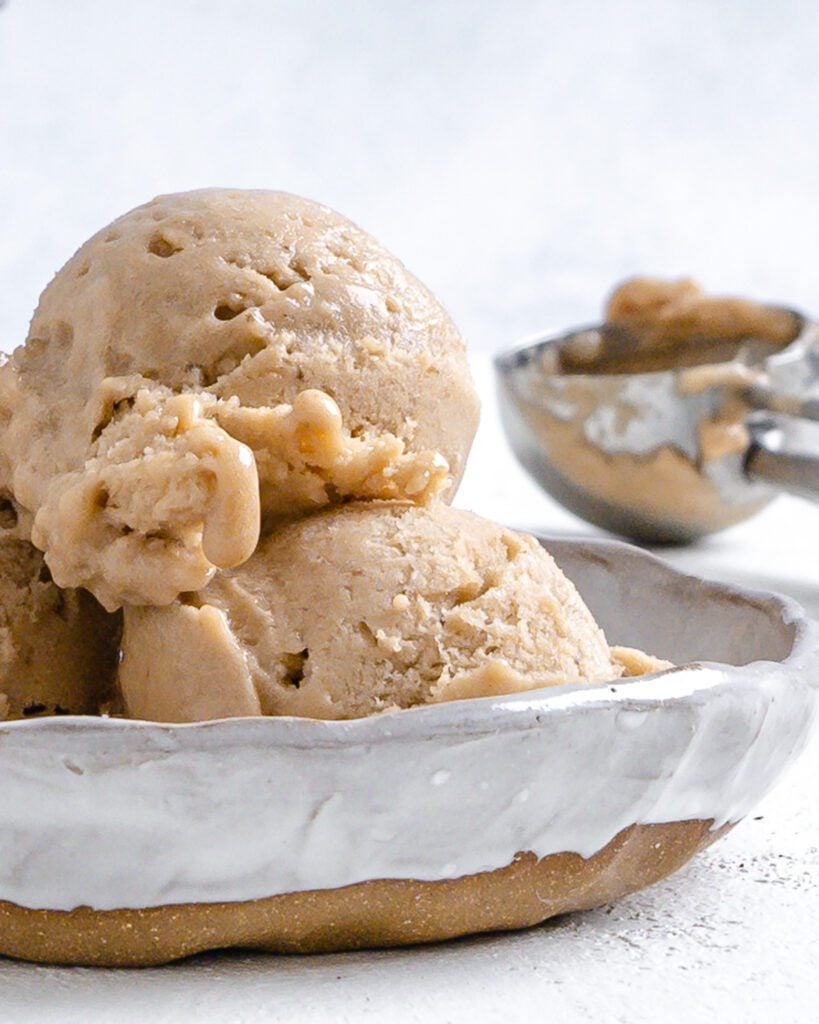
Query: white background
[521, 157]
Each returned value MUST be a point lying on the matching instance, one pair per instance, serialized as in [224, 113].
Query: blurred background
[519, 156]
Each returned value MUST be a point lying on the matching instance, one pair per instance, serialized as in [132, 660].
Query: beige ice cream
[671, 317]
[218, 367]
[655, 324]
[58, 648]
[364, 609]
[215, 358]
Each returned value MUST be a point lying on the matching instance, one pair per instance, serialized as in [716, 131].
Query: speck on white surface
[521, 157]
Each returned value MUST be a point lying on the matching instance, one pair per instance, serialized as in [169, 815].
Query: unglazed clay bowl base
[368, 915]
[131, 843]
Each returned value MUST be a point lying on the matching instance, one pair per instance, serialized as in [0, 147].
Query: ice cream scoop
[364, 609]
[682, 414]
[215, 362]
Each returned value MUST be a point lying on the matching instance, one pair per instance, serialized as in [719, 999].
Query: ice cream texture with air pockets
[365, 609]
[215, 363]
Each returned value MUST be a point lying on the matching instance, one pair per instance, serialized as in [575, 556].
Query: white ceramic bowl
[110, 814]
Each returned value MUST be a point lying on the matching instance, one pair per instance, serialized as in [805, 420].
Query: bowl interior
[640, 602]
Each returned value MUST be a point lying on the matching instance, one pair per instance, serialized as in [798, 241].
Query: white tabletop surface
[521, 157]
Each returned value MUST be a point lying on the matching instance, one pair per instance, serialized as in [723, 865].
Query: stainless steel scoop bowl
[671, 455]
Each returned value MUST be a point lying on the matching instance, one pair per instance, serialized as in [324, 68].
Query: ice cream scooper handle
[784, 452]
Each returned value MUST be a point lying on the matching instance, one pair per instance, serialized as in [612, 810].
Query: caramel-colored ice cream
[240, 419]
[654, 324]
[674, 323]
[217, 360]
[58, 648]
[365, 609]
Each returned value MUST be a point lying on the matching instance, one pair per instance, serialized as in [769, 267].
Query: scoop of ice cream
[652, 324]
[215, 358]
[361, 609]
[58, 648]
[674, 323]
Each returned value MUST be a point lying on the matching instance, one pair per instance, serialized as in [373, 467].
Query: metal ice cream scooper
[672, 454]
